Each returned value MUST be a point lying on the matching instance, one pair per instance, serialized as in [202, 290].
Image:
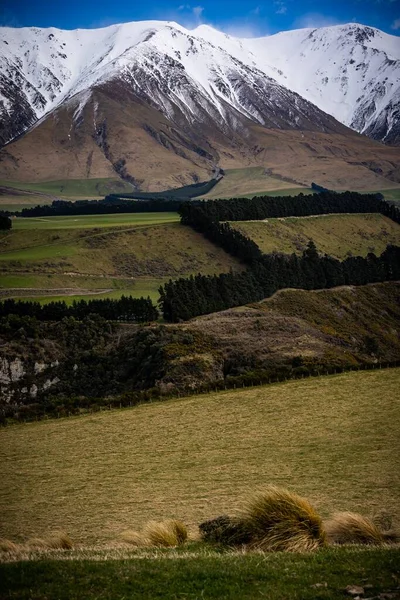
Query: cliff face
[23, 381]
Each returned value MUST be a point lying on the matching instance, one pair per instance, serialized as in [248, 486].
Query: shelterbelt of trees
[64, 208]
[5, 222]
[139, 310]
[267, 273]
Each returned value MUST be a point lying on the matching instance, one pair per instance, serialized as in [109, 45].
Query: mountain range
[161, 106]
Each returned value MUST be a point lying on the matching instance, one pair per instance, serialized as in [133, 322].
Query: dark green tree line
[139, 310]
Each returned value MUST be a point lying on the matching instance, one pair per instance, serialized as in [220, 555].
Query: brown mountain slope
[119, 133]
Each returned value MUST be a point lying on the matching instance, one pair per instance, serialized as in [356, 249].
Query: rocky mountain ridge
[203, 76]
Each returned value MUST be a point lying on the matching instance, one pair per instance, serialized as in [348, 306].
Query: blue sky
[237, 17]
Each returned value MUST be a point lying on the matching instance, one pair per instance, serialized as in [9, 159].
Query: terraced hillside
[103, 254]
[336, 235]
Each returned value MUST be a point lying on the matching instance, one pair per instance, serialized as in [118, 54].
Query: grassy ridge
[70, 188]
[332, 439]
[204, 574]
[336, 235]
[252, 181]
[112, 254]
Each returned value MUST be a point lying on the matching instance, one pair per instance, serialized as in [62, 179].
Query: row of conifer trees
[186, 298]
[126, 308]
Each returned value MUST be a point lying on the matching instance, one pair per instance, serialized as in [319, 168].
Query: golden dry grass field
[252, 181]
[337, 235]
[332, 439]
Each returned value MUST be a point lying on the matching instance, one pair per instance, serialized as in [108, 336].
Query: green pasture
[339, 235]
[202, 574]
[91, 221]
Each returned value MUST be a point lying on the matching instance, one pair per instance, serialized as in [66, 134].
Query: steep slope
[161, 106]
[351, 71]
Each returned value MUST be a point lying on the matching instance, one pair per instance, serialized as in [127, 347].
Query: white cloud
[198, 11]
[193, 14]
[315, 20]
[241, 30]
[256, 11]
[281, 8]
[395, 25]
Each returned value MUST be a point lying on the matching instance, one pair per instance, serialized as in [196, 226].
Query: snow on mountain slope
[351, 72]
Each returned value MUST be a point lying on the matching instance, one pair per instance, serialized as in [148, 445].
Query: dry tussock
[353, 528]
[165, 533]
[134, 538]
[168, 533]
[279, 520]
[59, 541]
[8, 546]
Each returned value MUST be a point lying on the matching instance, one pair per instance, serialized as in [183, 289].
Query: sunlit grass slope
[106, 255]
[332, 439]
[73, 188]
[251, 181]
[336, 235]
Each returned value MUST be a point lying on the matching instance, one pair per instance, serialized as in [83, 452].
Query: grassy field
[391, 194]
[73, 188]
[90, 221]
[252, 181]
[204, 574]
[337, 235]
[102, 255]
[333, 439]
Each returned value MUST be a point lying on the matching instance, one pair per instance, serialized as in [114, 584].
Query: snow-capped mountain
[205, 77]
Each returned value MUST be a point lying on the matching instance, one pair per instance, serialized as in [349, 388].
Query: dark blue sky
[238, 17]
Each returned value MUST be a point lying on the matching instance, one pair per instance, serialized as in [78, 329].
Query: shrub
[224, 530]
[352, 528]
[281, 520]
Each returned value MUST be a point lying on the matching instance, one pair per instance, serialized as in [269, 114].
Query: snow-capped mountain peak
[351, 72]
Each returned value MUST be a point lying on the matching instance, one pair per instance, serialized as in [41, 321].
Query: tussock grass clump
[168, 533]
[59, 541]
[165, 533]
[8, 546]
[353, 528]
[135, 538]
[279, 520]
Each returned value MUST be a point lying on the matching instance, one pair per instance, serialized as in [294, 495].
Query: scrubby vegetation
[93, 363]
